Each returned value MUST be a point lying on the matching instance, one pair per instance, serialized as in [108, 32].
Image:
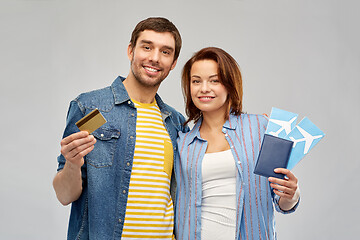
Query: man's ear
[130, 52]
[173, 64]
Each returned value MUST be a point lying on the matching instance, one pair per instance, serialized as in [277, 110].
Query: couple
[144, 175]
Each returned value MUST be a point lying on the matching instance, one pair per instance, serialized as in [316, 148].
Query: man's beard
[138, 76]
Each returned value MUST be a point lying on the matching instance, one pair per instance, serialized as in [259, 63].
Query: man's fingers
[74, 152]
[78, 147]
[83, 153]
[73, 137]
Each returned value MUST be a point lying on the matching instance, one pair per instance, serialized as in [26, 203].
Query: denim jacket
[100, 210]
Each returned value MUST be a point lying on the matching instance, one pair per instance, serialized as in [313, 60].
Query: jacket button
[131, 137]
[132, 114]
[124, 191]
[129, 102]
[128, 164]
[102, 135]
[119, 220]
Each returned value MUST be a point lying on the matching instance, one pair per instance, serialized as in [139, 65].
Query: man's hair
[229, 75]
[157, 24]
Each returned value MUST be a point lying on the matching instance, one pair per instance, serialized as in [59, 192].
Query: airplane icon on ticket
[308, 138]
[284, 125]
[280, 123]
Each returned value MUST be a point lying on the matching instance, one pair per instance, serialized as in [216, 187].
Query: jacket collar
[230, 124]
[119, 91]
[121, 96]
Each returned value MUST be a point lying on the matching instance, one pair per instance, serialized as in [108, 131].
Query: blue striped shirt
[255, 199]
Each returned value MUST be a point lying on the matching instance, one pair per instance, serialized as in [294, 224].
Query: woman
[218, 195]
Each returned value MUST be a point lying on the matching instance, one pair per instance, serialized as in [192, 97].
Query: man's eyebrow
[146, 41]
[150, 42]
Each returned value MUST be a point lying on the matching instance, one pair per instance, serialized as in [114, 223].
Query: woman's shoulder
[254, 118]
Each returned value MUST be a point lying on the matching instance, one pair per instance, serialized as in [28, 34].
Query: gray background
[301, 56]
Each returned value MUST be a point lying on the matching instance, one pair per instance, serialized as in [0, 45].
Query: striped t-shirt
[149, 210]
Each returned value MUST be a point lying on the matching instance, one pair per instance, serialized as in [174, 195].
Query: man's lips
[151, 69]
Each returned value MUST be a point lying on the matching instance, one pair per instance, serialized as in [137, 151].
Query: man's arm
[68, 182]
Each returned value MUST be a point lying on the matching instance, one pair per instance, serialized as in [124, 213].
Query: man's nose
[154, 56]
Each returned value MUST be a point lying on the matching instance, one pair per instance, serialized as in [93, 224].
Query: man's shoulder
[94, 93]
[102, 98]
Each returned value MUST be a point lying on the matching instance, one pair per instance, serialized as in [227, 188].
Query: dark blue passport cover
[274, 153]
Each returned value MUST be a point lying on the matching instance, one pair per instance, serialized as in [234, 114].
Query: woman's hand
[287, 188]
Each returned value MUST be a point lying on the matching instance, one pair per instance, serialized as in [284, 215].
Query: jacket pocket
[103, 153]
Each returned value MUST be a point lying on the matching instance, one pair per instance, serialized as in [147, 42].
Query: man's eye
[166, 52]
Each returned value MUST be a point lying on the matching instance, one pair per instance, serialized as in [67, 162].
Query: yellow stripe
[149, 175]
[149, 153]
[147, 225]
[167, 221]
[137, 236]
[143, 214]
[148, 185]
[152, 197]
[144, 202]
[140, 122]
[147, 191]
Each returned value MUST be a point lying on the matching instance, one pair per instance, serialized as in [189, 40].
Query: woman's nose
[205, 86]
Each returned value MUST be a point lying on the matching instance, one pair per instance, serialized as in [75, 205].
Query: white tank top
[218, 206]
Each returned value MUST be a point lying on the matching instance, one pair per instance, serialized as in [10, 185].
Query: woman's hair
[229, 75]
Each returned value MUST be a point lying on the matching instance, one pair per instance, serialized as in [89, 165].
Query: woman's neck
[212, 122]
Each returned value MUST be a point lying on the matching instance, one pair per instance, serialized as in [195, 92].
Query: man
[118, 178]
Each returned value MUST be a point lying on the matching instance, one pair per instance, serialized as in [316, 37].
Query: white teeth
[151, 69]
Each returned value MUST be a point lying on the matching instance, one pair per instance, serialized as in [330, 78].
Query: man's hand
[68, 182]
[285, 188]
[76, 146]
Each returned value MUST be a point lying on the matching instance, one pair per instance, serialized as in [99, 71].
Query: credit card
[91, 121]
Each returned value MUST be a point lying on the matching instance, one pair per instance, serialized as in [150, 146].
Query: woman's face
[207, 92]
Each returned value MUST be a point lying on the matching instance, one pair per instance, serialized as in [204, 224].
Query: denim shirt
[100, 210]
[255, 199]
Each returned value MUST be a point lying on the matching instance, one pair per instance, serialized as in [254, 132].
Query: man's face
[152, 58]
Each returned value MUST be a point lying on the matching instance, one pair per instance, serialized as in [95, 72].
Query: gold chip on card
[91, 121]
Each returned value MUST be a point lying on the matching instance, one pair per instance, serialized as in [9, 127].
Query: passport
[274, 153]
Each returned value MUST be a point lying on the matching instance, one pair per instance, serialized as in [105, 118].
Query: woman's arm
[287, 189]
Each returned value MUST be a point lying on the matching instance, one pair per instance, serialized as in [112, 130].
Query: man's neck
[139, 92]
